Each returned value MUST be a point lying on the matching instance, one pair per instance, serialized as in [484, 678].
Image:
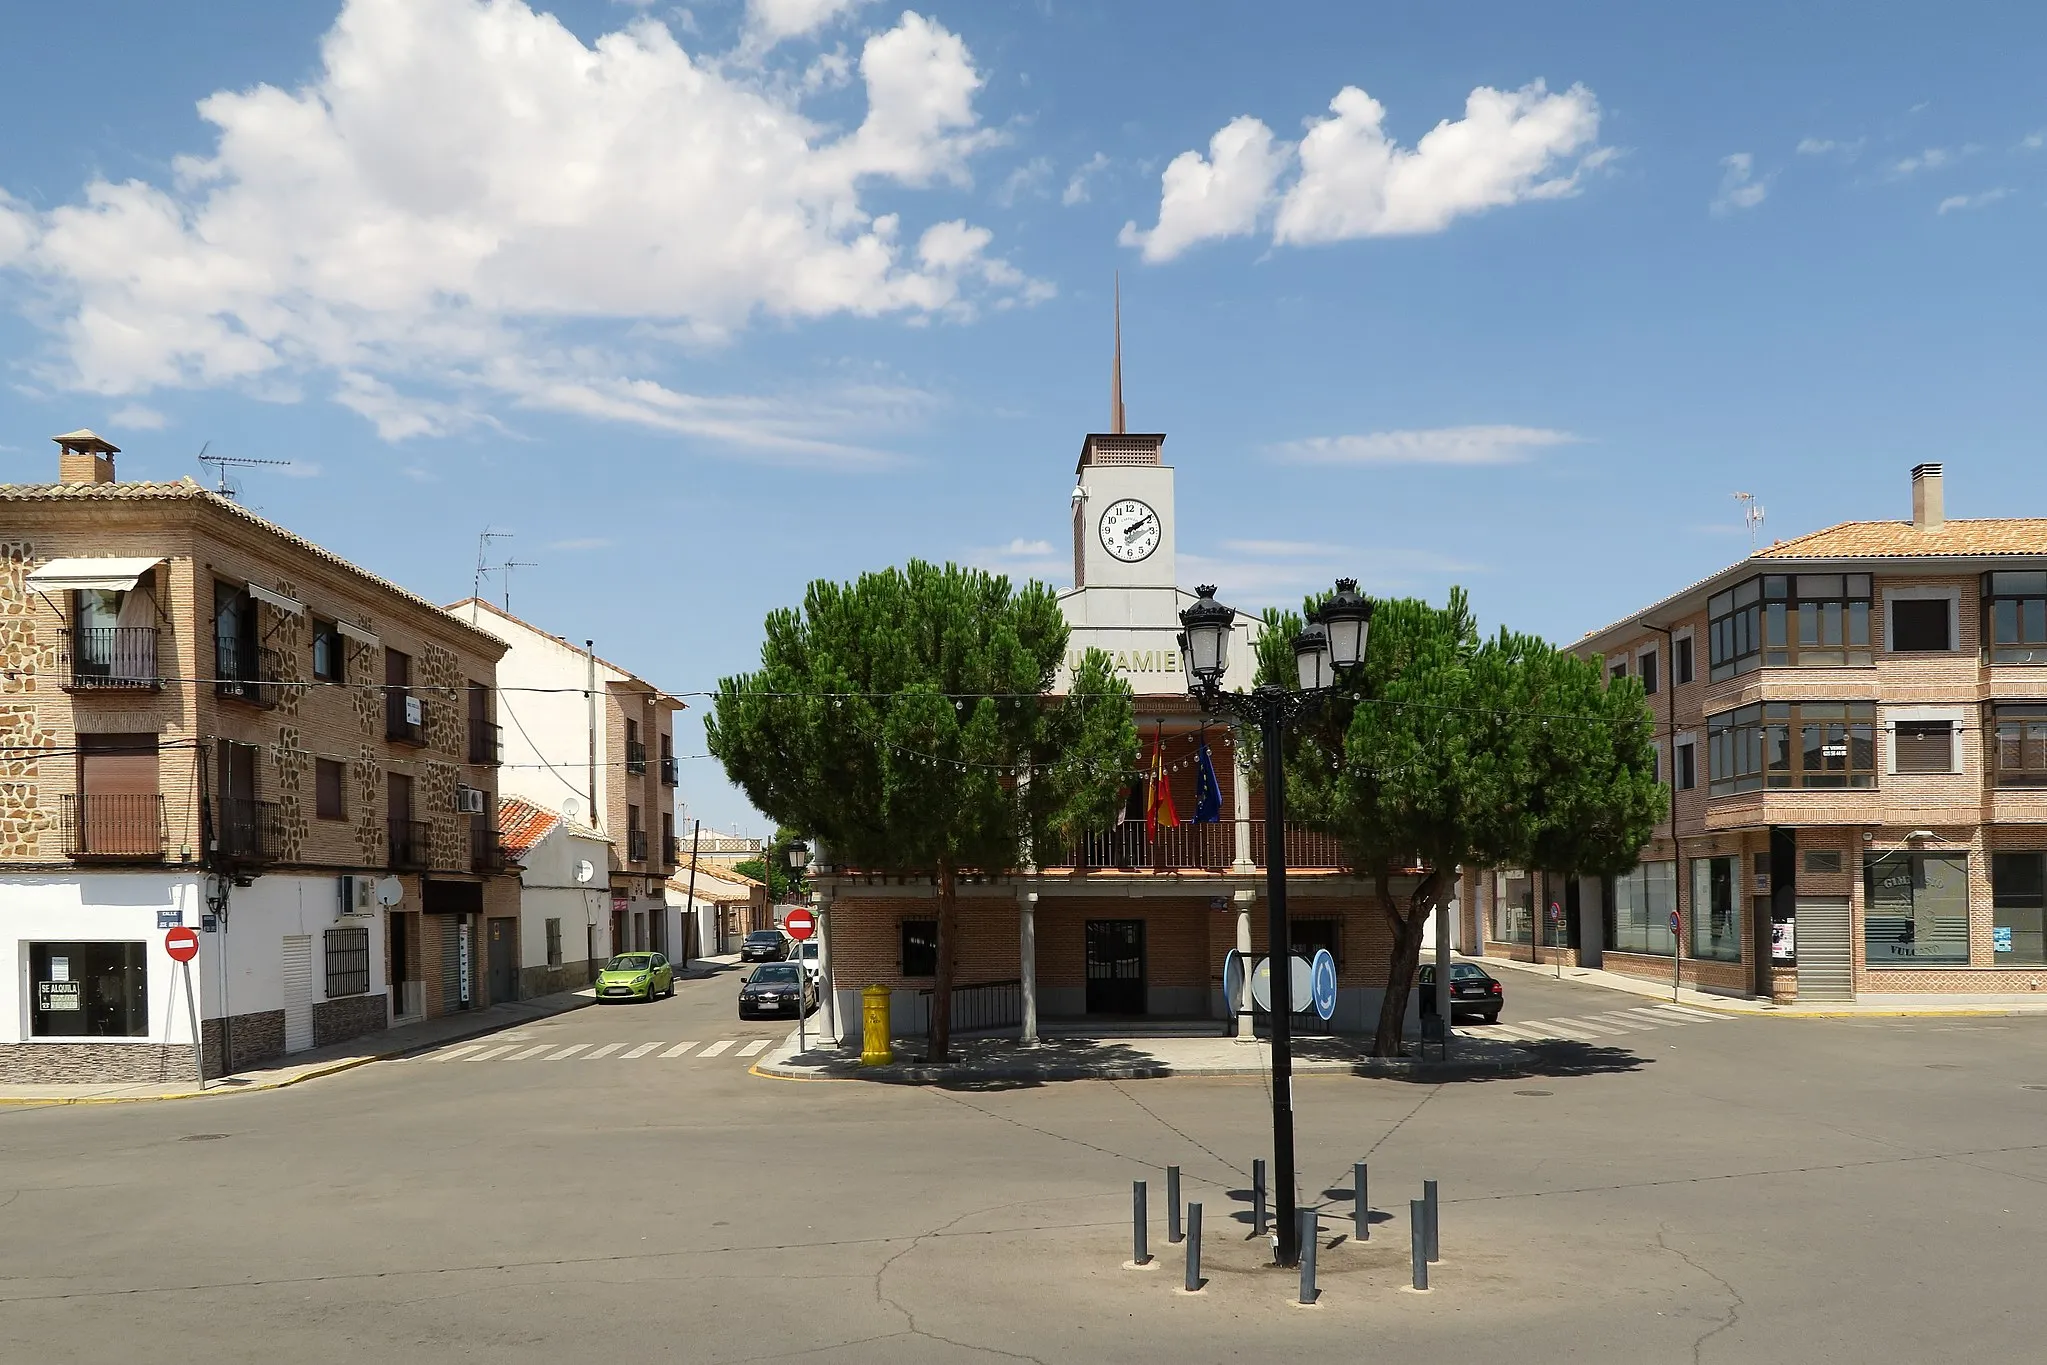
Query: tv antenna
[1752, 514]
[506, 569]
[226, 486]
[483, 552]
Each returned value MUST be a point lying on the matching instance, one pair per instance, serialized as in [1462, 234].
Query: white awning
[110, 575]
[356, 633]
[277, 600]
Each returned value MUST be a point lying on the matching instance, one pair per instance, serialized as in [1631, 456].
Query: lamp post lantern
[1332, 645]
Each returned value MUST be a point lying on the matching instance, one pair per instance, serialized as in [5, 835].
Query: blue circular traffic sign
[1322, 983]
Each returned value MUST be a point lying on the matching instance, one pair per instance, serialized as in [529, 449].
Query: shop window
[1642, 902]
[1823, 860]
[1915, 909]
[330, 788]
[2015, 616]
[89, 990]
[1716, 908]
[2018, 925]
[1923, 746]
[348, 962]
[1514, 908]
[1791, 744]
[1681, 661]
[920, 947]
[1920, 625]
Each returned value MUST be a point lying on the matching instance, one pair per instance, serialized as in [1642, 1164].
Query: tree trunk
[941, 979]
[1410, 927]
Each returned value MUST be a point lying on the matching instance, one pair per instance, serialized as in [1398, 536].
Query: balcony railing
[404, 717]
[636, 845]
[113, 826]
[244, 830]
[409, 842]
[485, 742]
[486, 854]
[247, 673]
[635, 757]
[1192, 848]
[674, 852]
[668, 777]
[109, 656]
[985, 1005]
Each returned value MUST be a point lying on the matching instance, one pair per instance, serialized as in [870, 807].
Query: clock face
[1130, 530]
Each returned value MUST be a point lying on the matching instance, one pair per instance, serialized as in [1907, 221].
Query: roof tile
[1902, 540]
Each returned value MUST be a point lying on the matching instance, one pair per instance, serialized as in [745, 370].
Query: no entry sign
[801, 924]
[182, 944]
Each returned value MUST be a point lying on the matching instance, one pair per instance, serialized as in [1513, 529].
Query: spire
[1116, 370]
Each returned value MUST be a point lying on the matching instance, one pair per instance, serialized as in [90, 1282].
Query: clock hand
[1130, 531]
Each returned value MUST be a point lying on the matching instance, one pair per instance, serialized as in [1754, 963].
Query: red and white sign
[800, 924]
[182, 944]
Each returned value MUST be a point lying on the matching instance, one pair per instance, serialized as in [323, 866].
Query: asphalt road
[1748, 1189]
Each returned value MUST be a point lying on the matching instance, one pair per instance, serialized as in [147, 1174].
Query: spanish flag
[1158, 797]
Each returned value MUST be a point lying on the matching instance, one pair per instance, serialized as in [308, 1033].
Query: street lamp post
[1332, 645]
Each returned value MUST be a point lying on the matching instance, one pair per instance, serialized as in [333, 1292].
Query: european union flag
[1208, 800]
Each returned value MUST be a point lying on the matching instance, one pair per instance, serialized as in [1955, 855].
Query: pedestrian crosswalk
[1606, 1029]
[521, 1050]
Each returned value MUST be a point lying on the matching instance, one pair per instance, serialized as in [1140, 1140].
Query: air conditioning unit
[470, 800]
[358, 896]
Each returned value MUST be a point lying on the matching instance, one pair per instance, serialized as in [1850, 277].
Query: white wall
[548, 890]
[548, 727]
[123, 906]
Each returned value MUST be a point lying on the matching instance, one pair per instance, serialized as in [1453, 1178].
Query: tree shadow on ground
[997, 1062]
[1473, 1059]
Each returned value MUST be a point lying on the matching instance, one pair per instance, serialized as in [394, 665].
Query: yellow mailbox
[874, 1031]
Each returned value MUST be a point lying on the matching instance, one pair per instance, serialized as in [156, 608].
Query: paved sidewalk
[323, 1061]
[987, 1059]
[1879, 1006]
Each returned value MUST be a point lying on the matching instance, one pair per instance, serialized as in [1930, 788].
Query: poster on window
[1783, 943]
[55, 996]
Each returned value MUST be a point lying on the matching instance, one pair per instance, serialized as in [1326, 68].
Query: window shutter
[1924, 746]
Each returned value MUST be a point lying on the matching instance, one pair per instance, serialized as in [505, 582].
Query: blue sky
[702, 303]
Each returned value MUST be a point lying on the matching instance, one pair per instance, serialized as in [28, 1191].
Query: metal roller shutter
[1826, 969]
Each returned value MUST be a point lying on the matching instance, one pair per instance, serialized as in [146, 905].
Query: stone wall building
[210, 721]
[1854, 727]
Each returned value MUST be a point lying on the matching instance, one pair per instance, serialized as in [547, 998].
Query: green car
[635, 976]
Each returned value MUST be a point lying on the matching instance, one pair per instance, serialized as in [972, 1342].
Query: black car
[1471, 992]
[764, 945]
[777, 988]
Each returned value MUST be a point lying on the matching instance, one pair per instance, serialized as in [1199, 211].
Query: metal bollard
[1172, 1203]
[1418, 1250]
[1429, 1199]
[1193, 1247]
[1311, 1233]
[1140, 1254]
[1257, 1196]
[1361, 1203]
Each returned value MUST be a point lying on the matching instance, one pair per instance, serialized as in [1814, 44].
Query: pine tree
[906, 720]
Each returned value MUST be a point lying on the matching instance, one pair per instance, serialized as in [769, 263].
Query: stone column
[1240, 813]
[1027, 962]
[824, 963]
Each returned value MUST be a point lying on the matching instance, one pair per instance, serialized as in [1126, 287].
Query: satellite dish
[572, 808]
[584, 871]
[390, 891]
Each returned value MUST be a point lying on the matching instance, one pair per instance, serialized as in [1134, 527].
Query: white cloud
[1955, 202]
[774, 21]
[1815, 146]
[1355, 181]
[139, 417]
[1473, 445]
[1023, 558]
[1739, 189]
[1031, 179]
[1223, 195]
[412, 229]
[1932, 159]
[1510, 146]
[1076, 185]
[1262, 573]
[2033, 142]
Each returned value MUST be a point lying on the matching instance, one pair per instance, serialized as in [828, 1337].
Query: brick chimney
[1926, 500]
[84, 458]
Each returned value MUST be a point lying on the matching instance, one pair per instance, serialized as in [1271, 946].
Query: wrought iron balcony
[636, 845]
[668, 778]
[675, 852]
[1192, 848]
[97, 826]
[247, 673]
[244, 830]
[109, 657]
[409, 843]
[486, 853]
[486, 744]
[635, 757]
[404, 717]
